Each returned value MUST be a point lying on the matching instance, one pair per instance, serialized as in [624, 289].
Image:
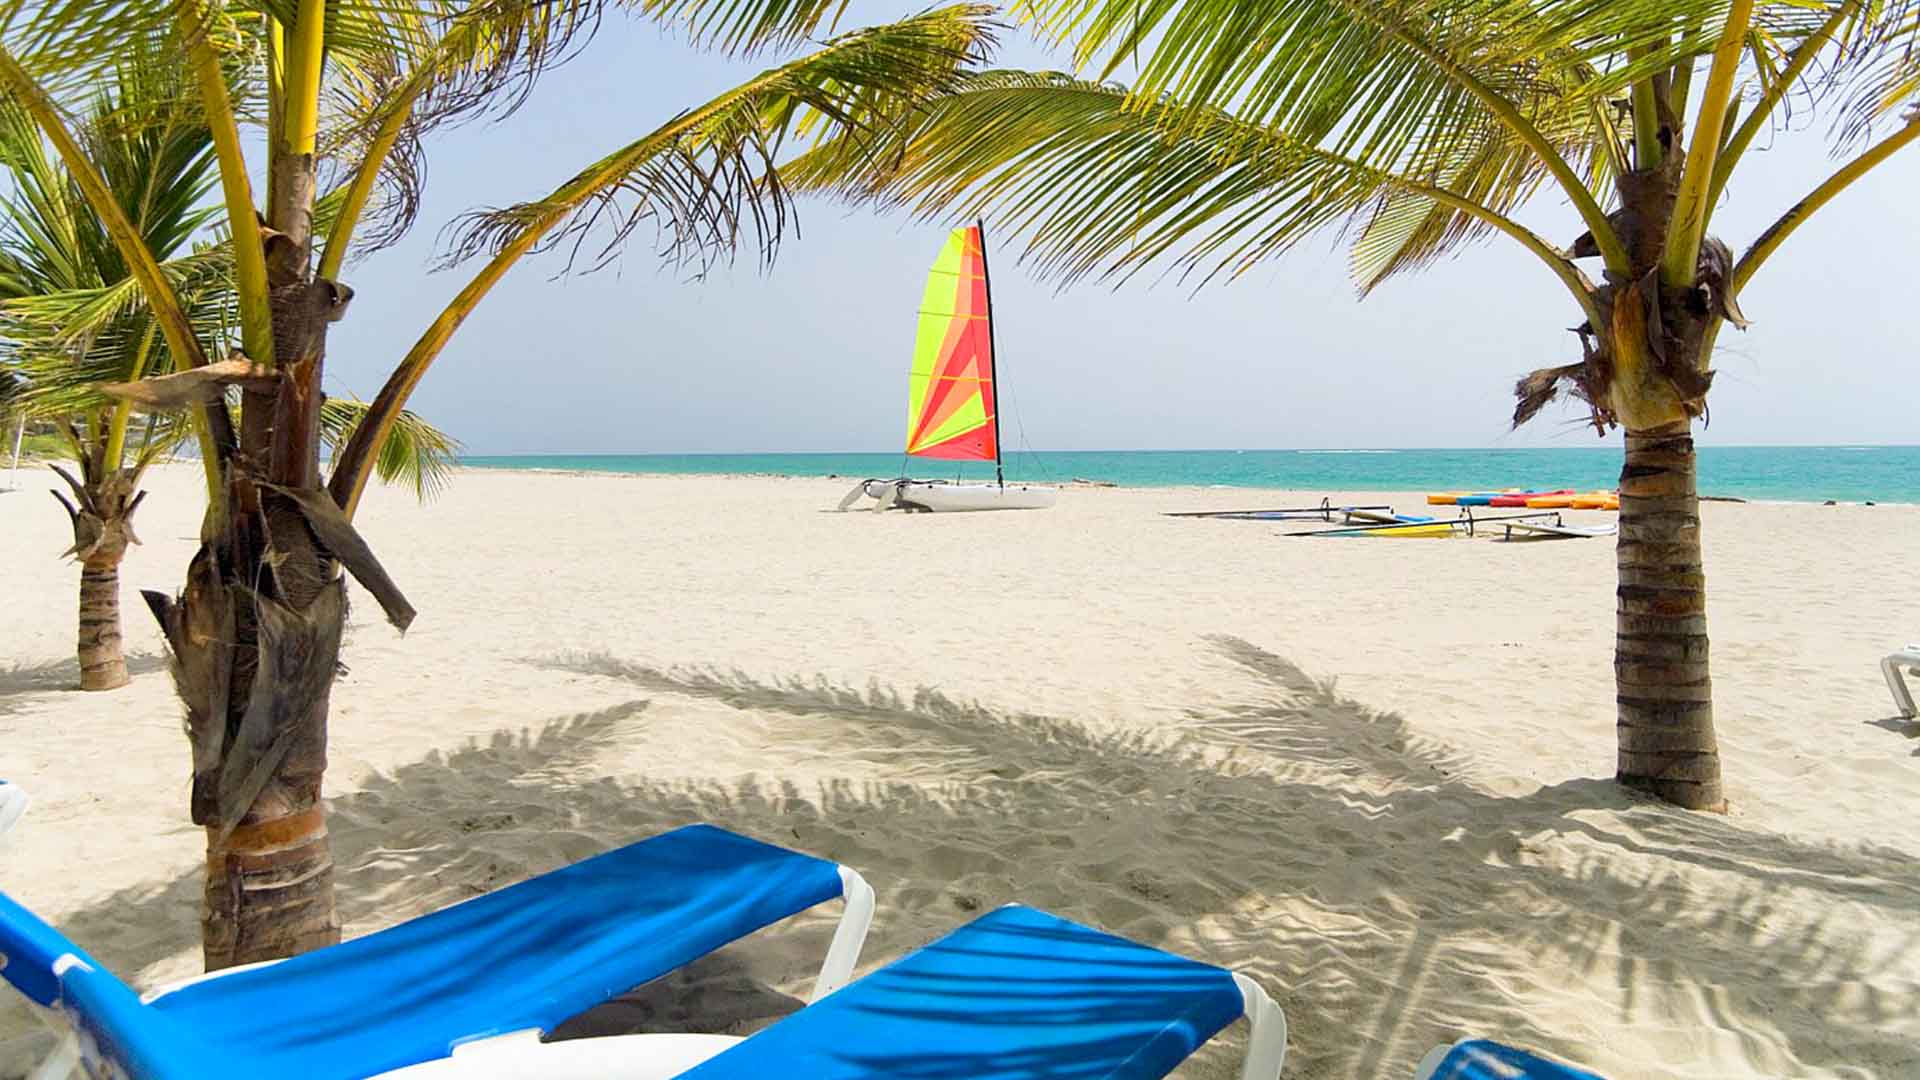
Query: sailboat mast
[993, 353]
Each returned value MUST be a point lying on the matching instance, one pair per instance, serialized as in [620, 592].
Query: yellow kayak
[1599, 500]
[1550, 502]
[1445, 498]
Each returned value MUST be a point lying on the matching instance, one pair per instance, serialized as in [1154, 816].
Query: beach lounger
[1890, 667]
[1016, 993]
[1484, 1059]
[480, 979]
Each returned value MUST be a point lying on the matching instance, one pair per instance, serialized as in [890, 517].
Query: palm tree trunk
[101, 513]
[269, 883]
[256, 641]
[103, 666]
[1663, 689]
[269, 890]
[255, 672]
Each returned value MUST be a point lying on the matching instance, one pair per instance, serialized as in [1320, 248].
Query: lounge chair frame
[1908, 658]
[1267, 1034]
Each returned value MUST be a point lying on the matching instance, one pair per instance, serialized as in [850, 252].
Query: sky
[812, 355]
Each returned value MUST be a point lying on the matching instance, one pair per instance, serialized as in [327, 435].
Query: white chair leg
[1431, 1063]
[856, 916]
[1902, 697]
[1267, 1041]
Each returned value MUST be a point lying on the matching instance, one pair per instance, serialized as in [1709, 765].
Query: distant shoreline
[1088, 485]
[1854, 474]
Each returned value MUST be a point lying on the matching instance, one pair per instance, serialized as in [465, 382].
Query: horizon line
[1176, 450]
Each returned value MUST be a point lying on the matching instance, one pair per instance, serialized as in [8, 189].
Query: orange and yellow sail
[950, 406]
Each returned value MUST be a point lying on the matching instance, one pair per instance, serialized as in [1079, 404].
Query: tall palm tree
[348, 89]
[71, 319]
[1418, 126]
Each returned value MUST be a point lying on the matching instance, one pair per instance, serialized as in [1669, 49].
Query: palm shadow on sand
[1351, 865]
[17, 684]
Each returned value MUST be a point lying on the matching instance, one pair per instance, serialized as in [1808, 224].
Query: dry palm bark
[256, 639]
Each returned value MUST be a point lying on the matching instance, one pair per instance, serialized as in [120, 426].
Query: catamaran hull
[938, 497]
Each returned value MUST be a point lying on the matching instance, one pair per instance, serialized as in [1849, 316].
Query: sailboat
[951, 404]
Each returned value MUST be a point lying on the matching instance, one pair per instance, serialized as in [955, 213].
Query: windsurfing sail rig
[950, 399]
[952, 392]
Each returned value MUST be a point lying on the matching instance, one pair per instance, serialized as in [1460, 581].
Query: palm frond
[1379, 82]
[1872, 72]
[71, 316]
[480, 61]
[1405, 230]
[706, 180]
[743, 26]
[39, 246]
[72, 46]
[1102, 185]
[414, 453]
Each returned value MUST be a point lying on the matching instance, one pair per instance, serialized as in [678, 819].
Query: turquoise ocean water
[1797, 473]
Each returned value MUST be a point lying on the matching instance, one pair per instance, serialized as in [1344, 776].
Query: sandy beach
[1373, 774]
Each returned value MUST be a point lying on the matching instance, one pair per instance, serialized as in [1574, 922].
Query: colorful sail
[950, 392]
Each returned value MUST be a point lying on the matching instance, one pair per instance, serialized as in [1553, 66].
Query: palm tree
[1418, 126]
[53, 249]
[71, 319]
[348, 89]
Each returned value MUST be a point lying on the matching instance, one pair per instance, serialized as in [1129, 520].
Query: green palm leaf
[706, 180]
[71, 317]
[414, 453]
[1102, 185]
[1873, 68]
[1381, 82]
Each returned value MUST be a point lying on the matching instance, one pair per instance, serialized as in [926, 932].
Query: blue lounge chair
[464, 984]
[1483, 1059]
[1017, 993]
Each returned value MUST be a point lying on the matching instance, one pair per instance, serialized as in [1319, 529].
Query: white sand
[1368, 772]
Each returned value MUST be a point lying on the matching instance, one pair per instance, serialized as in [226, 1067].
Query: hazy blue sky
[813, 355]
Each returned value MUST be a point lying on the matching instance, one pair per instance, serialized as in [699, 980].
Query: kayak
[1550, 502]
[1532, 498]
[1599, 500]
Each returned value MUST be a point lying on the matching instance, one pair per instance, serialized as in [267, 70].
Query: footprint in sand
[1147, 886]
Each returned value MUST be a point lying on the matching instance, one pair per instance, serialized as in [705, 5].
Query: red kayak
[1520, 498]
